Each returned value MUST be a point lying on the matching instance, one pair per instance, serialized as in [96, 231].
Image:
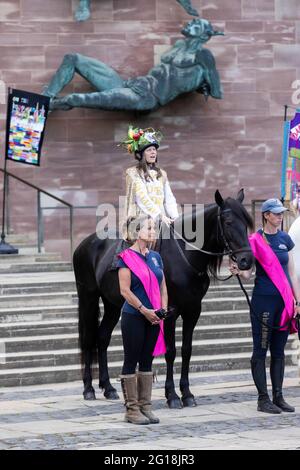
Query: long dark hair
[143, 167]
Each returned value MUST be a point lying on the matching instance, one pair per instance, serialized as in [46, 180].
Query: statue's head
[200, 28]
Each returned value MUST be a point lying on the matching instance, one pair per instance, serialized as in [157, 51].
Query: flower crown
[138, 139]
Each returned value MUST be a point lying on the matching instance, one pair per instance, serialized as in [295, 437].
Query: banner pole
[5, 248]
[284, 157]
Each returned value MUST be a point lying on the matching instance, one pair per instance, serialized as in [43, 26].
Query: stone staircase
[38, 325]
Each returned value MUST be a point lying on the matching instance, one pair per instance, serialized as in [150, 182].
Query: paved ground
[56, 417]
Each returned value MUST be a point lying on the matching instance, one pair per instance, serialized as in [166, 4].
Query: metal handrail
[40, 191]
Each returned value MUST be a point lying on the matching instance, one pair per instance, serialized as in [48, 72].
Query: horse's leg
[189, 322]
[88, 303]
[88, 391]
[107, 325]
[173, 400]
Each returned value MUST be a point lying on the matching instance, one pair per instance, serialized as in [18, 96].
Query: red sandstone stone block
[225, 56]
[278, 100]
[101, 10]
[286, 55]
[282, 27]
[220, 10]
[137, 26]
[56, 130]
[256, 56]
[70, 26]
[21, 57]
[264, 9]
[70, 38]
[9, 39]
[143, 40]
[244, 104]
[90, 129]
[260, 38]
[170, 10]
[260, 128]
[42, 39]
[10, 10]
[228, 185]
[16, 76]
[196, 127]
[243, 26]
[18, 27]
[105, 38]
[56, 9]
[275, 79]
[134, 10]
[287, 10]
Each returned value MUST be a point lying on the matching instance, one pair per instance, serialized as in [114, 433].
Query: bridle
[220, 230]
[229, 251]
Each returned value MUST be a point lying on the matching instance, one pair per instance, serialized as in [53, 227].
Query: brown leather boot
[144, 386]
[129, 387]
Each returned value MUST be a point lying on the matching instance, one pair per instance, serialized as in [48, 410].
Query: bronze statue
[184, 68]
[83, 11]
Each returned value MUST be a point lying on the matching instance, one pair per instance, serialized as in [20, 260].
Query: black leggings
[269, 309]
[139, 339]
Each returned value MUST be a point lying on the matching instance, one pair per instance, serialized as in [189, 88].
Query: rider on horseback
[147, 187]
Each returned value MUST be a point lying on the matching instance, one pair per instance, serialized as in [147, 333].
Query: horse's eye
[228, 222]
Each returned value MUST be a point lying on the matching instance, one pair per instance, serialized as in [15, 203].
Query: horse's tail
[88, 301]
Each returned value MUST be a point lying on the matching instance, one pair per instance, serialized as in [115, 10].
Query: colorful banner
[290, 176]
[294, 137]
[26, 119]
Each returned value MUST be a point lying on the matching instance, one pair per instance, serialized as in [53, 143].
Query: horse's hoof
[89, 395]
[189, 401]
[111, 395]
[174, 403]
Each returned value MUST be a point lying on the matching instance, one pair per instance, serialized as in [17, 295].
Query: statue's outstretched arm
[186, 4]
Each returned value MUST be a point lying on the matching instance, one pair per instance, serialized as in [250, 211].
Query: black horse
[186, 273]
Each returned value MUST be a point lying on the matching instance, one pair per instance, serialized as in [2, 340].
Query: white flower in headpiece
[150, 137]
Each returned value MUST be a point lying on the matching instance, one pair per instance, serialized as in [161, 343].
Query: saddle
[121, 246]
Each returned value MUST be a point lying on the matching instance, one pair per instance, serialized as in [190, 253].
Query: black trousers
[269, 309]
[139, 339]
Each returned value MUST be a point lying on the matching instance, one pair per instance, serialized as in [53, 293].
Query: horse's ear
[218, 198]
[241, 195]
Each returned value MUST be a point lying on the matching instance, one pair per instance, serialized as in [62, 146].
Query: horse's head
[233, 224]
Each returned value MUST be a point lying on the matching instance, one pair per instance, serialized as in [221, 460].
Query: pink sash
[151, 286]
[270, 263]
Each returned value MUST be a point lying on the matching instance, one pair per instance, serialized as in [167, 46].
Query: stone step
[14, 238]
[29, 258]
[45, 287]
[233, 292]
[43, 345]
[224, 303]
[70, 326]
[53, 298]
[35, 267]
[39, 313]
[34, 288]
[67, 373]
